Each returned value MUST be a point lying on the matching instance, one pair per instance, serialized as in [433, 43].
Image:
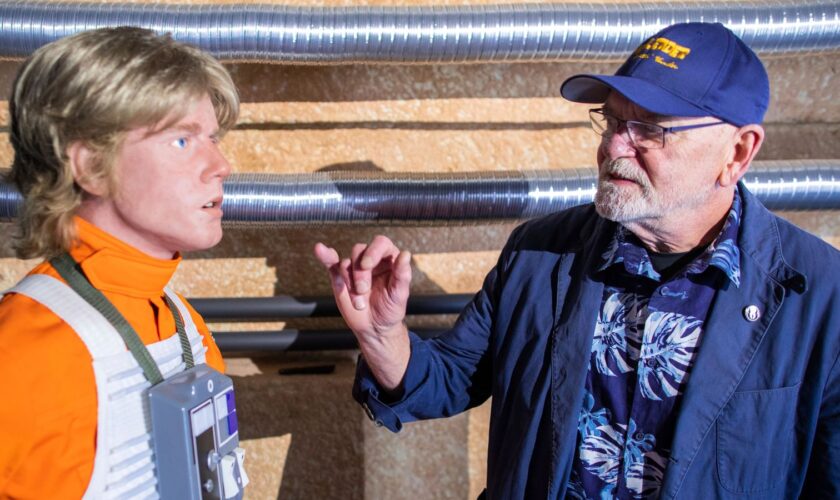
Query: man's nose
[217, 164]
[618, 144]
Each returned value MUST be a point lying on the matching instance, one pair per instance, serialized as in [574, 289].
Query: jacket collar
[761, 242]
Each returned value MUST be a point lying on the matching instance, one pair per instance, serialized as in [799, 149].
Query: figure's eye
[180, 143]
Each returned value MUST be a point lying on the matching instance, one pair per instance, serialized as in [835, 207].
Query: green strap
[186, 347]
[69, 270]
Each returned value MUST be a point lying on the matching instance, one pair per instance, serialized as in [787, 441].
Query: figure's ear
[83, 163]
[745, 145]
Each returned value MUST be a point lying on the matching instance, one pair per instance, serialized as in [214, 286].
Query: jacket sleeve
[823, 478]
[445, 375]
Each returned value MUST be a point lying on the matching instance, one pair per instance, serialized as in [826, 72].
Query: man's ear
[745, 145]
[83, 162]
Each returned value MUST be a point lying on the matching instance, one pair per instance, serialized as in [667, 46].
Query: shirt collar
[112, 265]
[722, 253]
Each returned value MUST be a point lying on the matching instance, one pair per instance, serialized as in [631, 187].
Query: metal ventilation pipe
[330, 35]
[383, 198]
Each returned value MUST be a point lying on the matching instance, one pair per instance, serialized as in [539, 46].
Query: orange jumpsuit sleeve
[48, 408]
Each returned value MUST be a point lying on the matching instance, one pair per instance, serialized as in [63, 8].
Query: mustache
[623, 168]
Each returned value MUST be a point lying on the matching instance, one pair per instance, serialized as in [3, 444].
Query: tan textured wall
[304, 435]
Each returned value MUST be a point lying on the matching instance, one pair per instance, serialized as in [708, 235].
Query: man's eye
[180, 143]
[648, 130]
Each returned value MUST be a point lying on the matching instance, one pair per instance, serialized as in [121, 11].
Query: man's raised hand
[371, 289]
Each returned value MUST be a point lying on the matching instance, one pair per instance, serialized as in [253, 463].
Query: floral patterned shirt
[646, 339]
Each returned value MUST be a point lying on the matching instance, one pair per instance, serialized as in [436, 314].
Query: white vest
[124, 465]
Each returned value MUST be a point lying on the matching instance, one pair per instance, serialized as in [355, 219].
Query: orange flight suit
[48, 407]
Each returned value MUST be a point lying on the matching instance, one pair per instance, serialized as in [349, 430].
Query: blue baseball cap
[687, 69]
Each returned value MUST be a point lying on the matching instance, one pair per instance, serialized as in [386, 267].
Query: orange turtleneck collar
[112, 265]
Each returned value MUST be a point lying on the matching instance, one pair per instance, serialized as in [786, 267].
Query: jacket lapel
[576, 307]
[729, 338]
[726, 349]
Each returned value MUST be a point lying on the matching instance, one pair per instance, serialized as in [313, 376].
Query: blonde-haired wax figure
[116, 138]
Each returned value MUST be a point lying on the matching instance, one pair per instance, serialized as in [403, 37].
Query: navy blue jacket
[760, 416]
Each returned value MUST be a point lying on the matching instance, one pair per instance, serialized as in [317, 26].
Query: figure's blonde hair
[93, 87]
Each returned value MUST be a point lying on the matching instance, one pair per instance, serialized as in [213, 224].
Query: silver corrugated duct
[521, 32]
[382, 198]
[9, 200]
[796, 185]
[403, 198]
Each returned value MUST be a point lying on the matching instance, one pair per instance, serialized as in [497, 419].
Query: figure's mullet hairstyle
[92, 88]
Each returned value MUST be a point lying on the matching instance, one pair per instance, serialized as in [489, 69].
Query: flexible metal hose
[388, 198]
[329, 35]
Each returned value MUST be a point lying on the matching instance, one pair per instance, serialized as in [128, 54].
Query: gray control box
[196, 436]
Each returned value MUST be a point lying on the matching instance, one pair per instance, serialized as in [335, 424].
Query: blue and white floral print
[618, 333]
[643, 466]
[725, 256]
[723, 253]
[647, 336]
[601, 451]
[638, 443]
[606, 450]
[644, 478]
[590, 419]
[623, 250]
[669, 346]
[667, 292]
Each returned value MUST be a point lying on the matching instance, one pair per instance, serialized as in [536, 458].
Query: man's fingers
[401, 272]
[329, 258]
[326, 255]
[361, 277]
[356, 319]
[353, 306]
[353, 277]
[358, 301]
[380, 248]
[367, 258]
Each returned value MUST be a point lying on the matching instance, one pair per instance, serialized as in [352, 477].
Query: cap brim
[596, 88]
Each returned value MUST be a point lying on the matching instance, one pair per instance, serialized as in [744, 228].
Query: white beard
[625, 203]
[634, 203]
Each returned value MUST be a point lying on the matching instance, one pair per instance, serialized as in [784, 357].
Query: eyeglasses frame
[665, 130]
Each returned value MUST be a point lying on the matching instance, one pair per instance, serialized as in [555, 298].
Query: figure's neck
[684, 230]
[102, 214]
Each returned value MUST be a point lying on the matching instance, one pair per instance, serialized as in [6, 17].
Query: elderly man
[673, 340]
[116, 137]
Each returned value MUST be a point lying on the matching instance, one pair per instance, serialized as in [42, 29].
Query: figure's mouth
[620, 178]
[214, 203]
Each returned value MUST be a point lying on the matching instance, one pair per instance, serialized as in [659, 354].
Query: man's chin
[611, 205]
[608, 200]
[609, 212]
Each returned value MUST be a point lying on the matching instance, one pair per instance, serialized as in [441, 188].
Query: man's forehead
[187, 124]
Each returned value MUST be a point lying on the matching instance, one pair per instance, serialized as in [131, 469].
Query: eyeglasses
[642, 135]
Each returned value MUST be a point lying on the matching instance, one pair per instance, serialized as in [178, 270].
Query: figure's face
[636, 185]
[168, 186]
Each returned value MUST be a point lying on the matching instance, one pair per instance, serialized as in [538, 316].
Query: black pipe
[273, 308]
[295, 340]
